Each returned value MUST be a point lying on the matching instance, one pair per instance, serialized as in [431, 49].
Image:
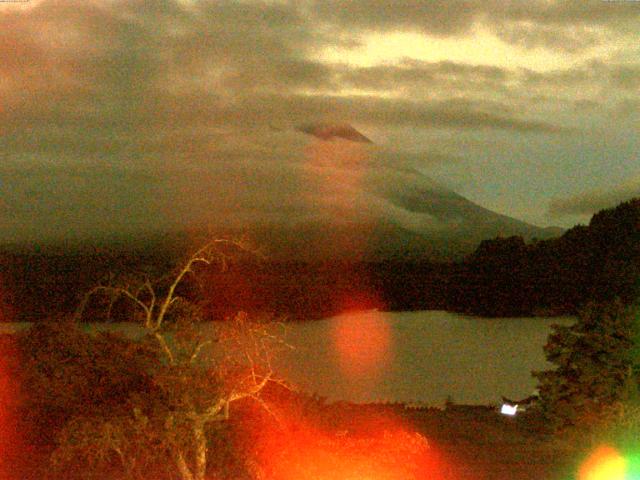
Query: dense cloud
[115, 114]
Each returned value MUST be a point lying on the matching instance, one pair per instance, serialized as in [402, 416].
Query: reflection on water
[361, 344]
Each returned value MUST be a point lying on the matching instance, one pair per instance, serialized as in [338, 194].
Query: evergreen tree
[594, 366]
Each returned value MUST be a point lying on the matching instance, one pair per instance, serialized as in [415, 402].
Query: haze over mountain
[332, 194]
[426, 221]
[380, 208]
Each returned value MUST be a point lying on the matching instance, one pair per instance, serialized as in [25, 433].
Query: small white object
[508, 409]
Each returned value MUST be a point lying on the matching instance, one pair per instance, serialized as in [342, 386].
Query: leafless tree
[200, 371]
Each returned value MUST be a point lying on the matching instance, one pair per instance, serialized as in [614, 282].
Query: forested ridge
[597, 262]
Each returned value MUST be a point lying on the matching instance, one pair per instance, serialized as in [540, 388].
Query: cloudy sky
[126, 115]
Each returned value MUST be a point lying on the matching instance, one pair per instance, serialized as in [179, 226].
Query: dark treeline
[503, 277]
[598, 262]
[38, 285]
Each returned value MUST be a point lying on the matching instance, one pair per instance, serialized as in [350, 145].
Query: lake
[423, 357]
[426, 357]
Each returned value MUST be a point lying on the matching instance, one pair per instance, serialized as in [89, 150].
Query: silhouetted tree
[593, 361]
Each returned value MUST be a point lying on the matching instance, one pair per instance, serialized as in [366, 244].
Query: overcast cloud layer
[129, 115]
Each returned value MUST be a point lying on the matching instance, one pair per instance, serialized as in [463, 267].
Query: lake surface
[424, 357]
[428, 356]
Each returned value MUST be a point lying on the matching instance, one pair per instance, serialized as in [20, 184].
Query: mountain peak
[329, 131]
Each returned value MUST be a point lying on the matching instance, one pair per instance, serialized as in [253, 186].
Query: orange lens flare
[338, 166]
[362, 342]
[336, 171]
[605, 463]
[305, 452]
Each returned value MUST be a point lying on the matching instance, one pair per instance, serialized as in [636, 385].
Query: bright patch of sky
[479, 47]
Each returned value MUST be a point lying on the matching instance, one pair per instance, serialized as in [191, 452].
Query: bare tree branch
[243, 365]
[197, 350]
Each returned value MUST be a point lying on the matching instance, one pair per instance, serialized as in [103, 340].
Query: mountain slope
[321, 191]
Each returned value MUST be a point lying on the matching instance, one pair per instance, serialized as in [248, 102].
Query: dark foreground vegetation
[462, 443]
[79, 406]
[65, 426]
[503, 277]
[183, 403]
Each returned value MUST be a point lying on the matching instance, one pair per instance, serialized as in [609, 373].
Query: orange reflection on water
[362, 343]
[605, 463]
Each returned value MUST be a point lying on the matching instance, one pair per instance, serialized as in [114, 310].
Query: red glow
[9, 438]
[362, 342]
[303, 452]
[9, 391]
